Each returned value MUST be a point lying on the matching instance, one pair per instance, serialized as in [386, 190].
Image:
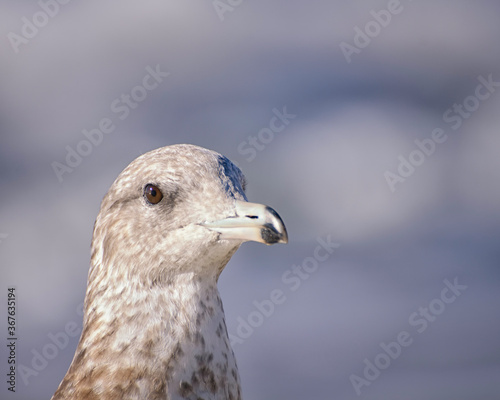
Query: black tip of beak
[274, 232]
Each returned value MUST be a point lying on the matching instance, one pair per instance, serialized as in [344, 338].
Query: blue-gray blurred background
[357, 114]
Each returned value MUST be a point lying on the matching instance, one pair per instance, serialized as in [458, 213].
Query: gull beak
[252, 221]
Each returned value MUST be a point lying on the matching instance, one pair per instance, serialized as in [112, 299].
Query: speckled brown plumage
[154, 324]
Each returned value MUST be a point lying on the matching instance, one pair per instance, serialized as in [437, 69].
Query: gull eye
[153, 194]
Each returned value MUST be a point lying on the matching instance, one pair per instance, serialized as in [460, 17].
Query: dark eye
[153, 194]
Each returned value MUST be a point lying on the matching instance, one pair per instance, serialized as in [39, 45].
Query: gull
[154, 325]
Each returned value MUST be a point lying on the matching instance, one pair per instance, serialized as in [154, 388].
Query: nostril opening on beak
[252, 216]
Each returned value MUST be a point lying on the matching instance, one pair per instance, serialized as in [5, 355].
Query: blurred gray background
[357, 115]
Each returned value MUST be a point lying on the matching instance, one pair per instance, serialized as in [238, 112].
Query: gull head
[175, 210]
